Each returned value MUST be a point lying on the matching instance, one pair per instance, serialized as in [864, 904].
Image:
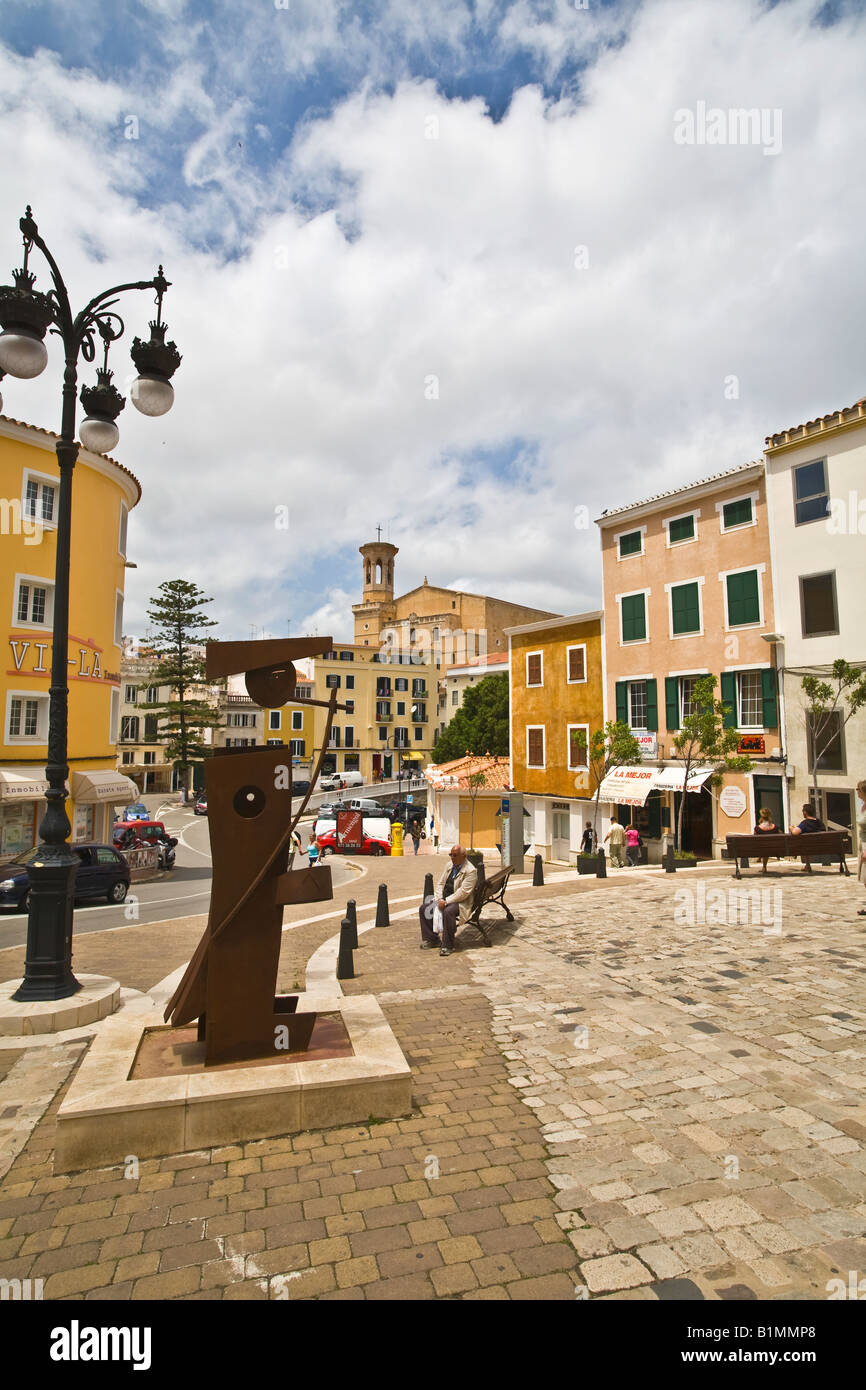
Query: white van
[352, 779]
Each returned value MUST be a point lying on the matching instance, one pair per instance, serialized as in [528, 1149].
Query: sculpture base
[115, 1108]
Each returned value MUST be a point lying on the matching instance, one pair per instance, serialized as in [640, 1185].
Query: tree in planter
[703, 738]
[475, 781]
[180, 626]
[829, 706]
[480, 725]
[611, 747]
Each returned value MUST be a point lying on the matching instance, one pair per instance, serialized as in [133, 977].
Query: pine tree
[180, 625]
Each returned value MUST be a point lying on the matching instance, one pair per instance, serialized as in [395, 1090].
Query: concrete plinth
[106, 1116]
[98, 997]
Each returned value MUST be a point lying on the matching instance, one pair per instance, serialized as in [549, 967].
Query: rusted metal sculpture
[230, 982]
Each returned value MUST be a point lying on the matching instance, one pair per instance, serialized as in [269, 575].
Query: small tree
[180, 631]
[828, 708]
[480, 725]
[704, 739]
[613, 746]
[475, 781]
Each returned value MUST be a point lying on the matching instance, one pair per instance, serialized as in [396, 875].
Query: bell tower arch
[376, 608]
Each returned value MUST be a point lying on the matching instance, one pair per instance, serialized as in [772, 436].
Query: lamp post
[25, 316]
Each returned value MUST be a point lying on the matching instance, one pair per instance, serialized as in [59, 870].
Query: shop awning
[671, 778]
[88, 787]
[413, 757]
[629, 786]
[20, 784]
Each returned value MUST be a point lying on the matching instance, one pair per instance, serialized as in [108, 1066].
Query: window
[744, 598]
[738, 513]
[114, 715]
[383, 686]
[349, 736]
[401, 706]
[534, 668]
[455, 697]
[419, 686]
[535, 745]
[633, 609]
[23, 717]
[829, 741]
[122, 530]
[151, 695]
[130, 694]
[126, 758]
[275, 719]
[685, 608]
[383, 709]
[688, 704]
[419, 712]
[150, 728]
[578, 746]
[40, 498]
[630, 544]
[681, 528]
[751, 700]
[401, 683]
[118, 618]
[297, 719]
[274, 743]
[401, 737]
[149, 759]
[347, 656]
[334, 740]
[350, 682]
[576, 664]
[818, 610]
[34, 603]
[811, 501]
[129, 728]
[637, 704]
[332, 682]
[383, 735]
[297, 747]
[350, 706]
[419, 734]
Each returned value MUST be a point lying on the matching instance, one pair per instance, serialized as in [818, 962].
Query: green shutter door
[771, 704]
[685, 609]
[729, 697]
[743, 604]
[622, 701]
[672, 702]
[634, 618]
[652, 707]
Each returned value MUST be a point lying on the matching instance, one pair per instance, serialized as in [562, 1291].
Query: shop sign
[649, 745]
[29, 658]
[733, 801]
[750, 743]
[350, 834]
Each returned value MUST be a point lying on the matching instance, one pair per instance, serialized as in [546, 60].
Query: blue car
[103, 873]
[138, 811]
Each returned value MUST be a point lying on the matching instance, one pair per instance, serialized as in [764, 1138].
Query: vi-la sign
[87, 663]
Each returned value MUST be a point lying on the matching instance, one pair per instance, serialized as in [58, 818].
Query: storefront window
[16, 828]
[82, 828]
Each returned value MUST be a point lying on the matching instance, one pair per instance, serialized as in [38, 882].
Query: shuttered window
[737, 513]
[631, 544]
[576, 664]
[685, 609]
[535, 746]
[744, 605]
[578, 745]
[682, 528]
[634, 618]
[533, 668]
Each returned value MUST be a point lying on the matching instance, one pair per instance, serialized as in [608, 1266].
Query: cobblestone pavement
[702, 1136]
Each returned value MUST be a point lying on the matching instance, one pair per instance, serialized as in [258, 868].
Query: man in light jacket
[455, 894]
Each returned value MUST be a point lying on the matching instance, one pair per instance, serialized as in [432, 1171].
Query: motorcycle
[165, 852]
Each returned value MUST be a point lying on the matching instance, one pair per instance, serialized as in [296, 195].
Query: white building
[816, 490]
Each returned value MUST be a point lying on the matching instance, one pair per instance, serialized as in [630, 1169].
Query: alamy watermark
[407, 645]
[703, 906]
[715, 125]
[14, 523]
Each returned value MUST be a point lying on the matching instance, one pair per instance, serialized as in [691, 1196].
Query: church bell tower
[376, 609]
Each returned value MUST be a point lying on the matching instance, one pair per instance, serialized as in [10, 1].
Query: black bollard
[345, 964]
[428, 886]
[601, 863]
[538, 873]
[352, 919]
[670, 866]
[382, 917]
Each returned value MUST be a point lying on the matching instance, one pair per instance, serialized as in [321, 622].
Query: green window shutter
[737, 513]
[771, 704]
[685, 608]
[652, 707]
[632, 544]
[743, 603]
[683, 529]
[729, 697]
[672, 703]
[634, 618]
[622, 701]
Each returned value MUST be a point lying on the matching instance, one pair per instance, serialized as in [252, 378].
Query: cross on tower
[378, 533]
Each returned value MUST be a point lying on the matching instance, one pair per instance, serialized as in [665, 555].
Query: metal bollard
[352, 919]
[670, 866]
[345, 964]
[382, 917]
[538, 872]
[601, 863]
[428, 886]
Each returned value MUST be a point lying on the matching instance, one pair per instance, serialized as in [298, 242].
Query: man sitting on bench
[455, 894]
[809, 825]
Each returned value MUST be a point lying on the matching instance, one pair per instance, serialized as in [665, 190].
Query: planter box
[685, 863]
[589, 865]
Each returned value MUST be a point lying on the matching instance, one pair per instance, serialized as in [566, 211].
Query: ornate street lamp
[25, 316]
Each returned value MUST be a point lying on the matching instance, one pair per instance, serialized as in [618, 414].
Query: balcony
[383, 714]
[383, 690]
[419, 718]
[419, 690]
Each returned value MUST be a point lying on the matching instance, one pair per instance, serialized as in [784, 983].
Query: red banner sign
[350, 834]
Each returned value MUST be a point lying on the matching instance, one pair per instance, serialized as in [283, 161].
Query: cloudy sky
[448, 266]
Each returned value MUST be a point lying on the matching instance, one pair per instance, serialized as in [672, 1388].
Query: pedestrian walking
[313, 850]
[616, 835]
[632, 839]
[587, 842]
[861, 826]
[417, 834]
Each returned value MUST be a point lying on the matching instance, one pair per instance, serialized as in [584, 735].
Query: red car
[371, 845]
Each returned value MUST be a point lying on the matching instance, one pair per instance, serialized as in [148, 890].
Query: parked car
[361, 803]
[146, 832]
[137, 811]
[200, 807]
[407, 811]
[103, 873]
[330, 808]
[370, 844]
[301, 786]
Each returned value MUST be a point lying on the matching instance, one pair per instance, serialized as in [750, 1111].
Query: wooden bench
[777, 845]
[489, 890]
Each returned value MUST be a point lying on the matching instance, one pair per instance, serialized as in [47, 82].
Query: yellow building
[556, 702]
[103, 493]
[294, 725]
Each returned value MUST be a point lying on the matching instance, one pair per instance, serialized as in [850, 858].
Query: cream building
[454, 682]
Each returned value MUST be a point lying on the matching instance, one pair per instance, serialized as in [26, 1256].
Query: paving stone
[614, 1272]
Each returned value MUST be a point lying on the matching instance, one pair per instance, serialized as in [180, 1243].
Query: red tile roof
[456, 774]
